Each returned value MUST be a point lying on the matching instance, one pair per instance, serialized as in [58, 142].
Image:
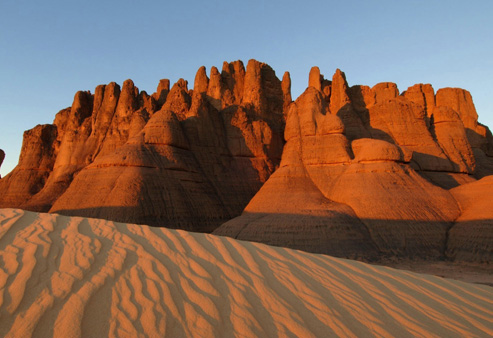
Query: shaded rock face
[441, 130]
[363, 173]
[35, 165]
[290, 210]
[178, 158]
[351, 199]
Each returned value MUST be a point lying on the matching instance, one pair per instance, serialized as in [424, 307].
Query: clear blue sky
[51, 49]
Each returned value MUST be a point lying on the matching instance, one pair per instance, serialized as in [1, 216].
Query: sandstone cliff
[365, 172]
[179, 158]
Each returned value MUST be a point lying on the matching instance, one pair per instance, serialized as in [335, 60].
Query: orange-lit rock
[368, 150]
[319, 189]
[363, 171]
[177, 158]
[161, 93]
[341, 105]
[400, 121]
[34, 167]
[325, 181]
[423, 95]
[286, 90]
[451, 136]
[315, 79]
[459, 100]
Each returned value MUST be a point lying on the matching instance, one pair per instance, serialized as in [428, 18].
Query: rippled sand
[78, 277]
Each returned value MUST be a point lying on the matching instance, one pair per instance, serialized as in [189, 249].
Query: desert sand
[78, 277]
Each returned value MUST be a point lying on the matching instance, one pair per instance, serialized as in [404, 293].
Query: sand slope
[70, 277]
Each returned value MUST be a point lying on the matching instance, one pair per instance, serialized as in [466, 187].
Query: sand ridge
[77, 277]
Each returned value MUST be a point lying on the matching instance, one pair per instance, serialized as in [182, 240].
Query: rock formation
[289, 210]
[365, 172]
[348, 198]
[177, 158]
[367, 165]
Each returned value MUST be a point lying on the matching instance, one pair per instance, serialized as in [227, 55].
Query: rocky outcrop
[181, 158]
[478, 135]
[361, 193]
[290, 210]
[367, 165]
[34, 167]
[423, 95]
[451, 136]
[365, 171]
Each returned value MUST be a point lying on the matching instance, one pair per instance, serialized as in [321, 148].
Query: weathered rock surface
[423, 95]
[34, 167]
[177, 158]
[289, 210]
[370, 150]
[358, 195]
[451, 136]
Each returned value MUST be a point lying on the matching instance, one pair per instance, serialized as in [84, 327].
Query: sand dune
[72, 277]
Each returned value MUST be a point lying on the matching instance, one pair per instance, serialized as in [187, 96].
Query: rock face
[34, 167]
[371, 168]
[177, 158]
[364, 173]
[345, 198]
[289, 210]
